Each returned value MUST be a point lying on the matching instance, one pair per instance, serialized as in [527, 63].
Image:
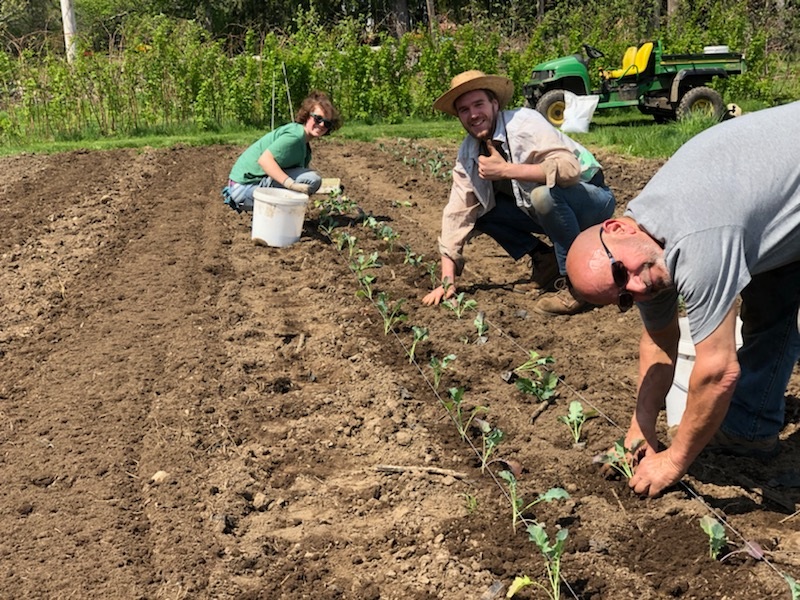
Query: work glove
[291, 184]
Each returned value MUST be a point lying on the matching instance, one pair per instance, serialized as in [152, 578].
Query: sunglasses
[620, 275]
[319, 120]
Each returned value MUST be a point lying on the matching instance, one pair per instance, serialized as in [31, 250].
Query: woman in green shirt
[281, 157]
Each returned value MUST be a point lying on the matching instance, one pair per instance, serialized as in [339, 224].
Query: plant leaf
[518, 584]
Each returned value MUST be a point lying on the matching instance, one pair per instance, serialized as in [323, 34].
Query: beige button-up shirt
[526, 137]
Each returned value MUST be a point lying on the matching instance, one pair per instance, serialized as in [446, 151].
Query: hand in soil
[655, 473]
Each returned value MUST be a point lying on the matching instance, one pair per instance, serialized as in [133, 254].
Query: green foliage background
[157, 74]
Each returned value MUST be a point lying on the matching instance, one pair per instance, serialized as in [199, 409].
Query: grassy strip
[622, 131]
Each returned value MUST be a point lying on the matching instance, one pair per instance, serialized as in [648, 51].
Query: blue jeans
[770, 349]
[242, 193]
[559, 213]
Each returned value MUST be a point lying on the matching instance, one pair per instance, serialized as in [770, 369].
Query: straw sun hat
[469, 81]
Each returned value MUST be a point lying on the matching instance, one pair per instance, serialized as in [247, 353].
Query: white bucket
[278, 216]
[676, 397]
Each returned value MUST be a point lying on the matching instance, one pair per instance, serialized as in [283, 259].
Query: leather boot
[560, 302]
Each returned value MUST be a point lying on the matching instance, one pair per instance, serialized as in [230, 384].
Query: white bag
[578, 111]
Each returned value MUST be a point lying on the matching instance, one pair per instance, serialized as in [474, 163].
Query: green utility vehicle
[667, 86]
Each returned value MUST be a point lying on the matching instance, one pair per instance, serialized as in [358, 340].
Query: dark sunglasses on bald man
[320, 120]
[620, 274]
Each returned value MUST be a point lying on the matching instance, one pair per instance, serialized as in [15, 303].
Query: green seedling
[366, 282]
[420, 335]
[434, 166]
[470, 502]
[391, 312]
[388, 235]
[576, 418]
[794, 587]
[327, 224]
[481, 326]
[518, 506]
[542, 383]
[491, 438]
[346, 239]
[363, 262]
[543, 389]
[717, 540]
[461, 417]
[411, 258]
[552, 554]
[401, 203]
[438, 367]
[535, 363]
[458, 305]
[619, 457]
[370, 223]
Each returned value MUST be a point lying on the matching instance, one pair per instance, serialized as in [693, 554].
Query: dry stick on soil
[540, 408]
[791, 516]
[431, 470]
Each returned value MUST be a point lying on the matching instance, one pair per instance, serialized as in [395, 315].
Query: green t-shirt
[288, 147]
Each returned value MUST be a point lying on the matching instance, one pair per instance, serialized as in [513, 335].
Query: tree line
[32, 24]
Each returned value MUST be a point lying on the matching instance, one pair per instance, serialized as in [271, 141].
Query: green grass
[623, 131]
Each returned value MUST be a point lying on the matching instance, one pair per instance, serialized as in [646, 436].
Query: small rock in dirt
[159, 477]
[25, 509]
[260, 501]
[404, 438]
[448, 480]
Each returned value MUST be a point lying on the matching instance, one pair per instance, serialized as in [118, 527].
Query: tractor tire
[552, 105]
[702, 100]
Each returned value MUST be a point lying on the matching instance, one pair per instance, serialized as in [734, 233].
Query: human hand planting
[655, 473]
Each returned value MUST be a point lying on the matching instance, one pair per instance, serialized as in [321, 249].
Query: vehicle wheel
[552, 105]
[701, 100]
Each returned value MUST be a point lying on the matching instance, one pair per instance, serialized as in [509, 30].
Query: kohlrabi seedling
[552, 553]
[391, 312]
[363, 262]
[491, 437]
[411, 258]
[461, 417]
[438, 367]
[459, 305]
[518, 506]
[794, 587]
[420, 335]
[481, 327]
[542, 384]
[366, 282]
[619, 457]
[576, 418]
[717, 540]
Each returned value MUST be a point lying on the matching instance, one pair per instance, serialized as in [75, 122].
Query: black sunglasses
[620, 274]
[319, 120]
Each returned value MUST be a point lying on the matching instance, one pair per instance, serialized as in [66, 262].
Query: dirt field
[184, 414]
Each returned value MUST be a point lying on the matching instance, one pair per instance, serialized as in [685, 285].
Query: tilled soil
[185, 414]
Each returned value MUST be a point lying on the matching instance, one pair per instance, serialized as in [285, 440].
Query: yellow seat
[643, 57]
[628, 60]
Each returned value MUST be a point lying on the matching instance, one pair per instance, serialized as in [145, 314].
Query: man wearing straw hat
[516, 176]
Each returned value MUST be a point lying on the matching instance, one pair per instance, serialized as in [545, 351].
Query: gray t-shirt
[726, 207]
